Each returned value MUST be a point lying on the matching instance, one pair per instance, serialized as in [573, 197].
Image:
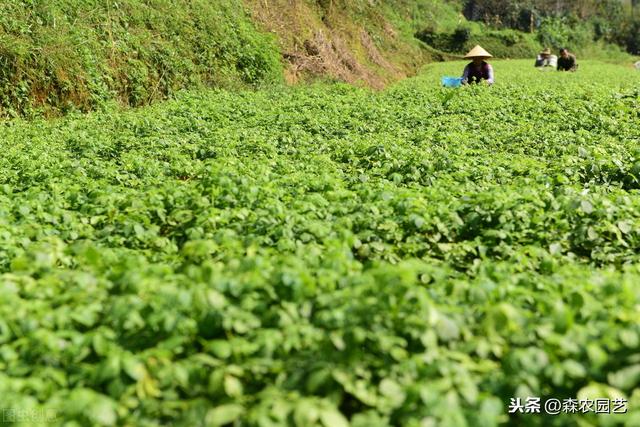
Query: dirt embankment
[353, 42]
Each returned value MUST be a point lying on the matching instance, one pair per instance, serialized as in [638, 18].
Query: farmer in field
[567, 61]
[546, 59]
[478, 70]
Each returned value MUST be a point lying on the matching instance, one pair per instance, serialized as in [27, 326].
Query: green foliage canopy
[327, 256]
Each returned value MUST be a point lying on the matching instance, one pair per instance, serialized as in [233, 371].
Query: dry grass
[317, 42]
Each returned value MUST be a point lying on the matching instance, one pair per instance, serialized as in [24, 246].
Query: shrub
[565, 32]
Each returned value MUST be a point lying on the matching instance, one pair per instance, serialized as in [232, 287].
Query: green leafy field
[328, 255]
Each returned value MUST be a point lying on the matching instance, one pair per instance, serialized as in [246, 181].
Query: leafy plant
[327, 255]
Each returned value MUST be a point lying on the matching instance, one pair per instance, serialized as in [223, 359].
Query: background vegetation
[564, 23]
[67, 55]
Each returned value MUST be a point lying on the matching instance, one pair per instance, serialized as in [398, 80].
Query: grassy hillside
[328, 256]
[63, 55]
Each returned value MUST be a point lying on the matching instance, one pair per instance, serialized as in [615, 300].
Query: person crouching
[567, 61]
[546, 59]
[478, 70]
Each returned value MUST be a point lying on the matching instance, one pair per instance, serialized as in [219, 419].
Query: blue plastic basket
[451, 81]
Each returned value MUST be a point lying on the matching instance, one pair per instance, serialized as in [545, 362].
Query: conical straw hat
[478, 52]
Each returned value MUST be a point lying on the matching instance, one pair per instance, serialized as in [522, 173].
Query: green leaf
[624, 226]
[332, 418]
[555, 248]
[100, 344]
[599, 391]
[134, 368]
[447, 329]
[574, 369]
[392, 391]
[103, 412]
[336, 339]
[220, 348]
[586, 206]
[223, 414]
[468, 390]
[629, 338]
[232, 386]
[626, 378]
[306, 413]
